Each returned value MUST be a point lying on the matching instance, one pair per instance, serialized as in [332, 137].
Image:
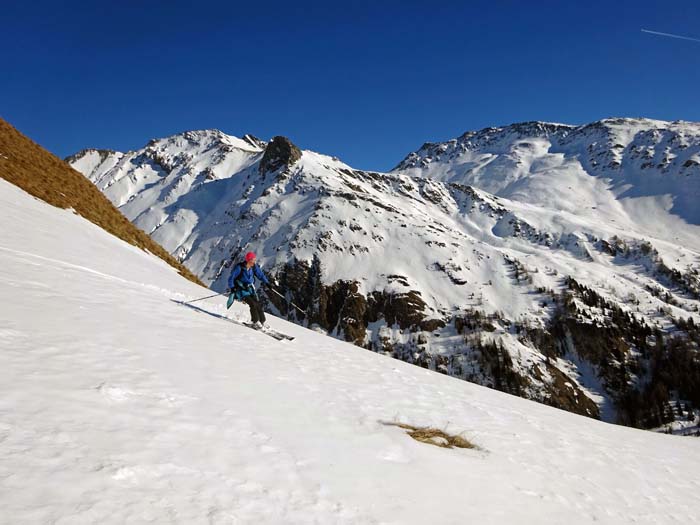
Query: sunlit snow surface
[119, 405]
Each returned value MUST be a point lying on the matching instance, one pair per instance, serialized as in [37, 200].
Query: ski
[272, 333]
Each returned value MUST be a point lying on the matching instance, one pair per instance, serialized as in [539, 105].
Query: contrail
[671, 35]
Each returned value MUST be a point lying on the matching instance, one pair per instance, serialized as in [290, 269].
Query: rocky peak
[198, 136]
[490, 136]
[280, 152]
[102, 153]
[485, 138]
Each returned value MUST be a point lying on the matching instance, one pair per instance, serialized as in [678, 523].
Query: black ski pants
[256, 311]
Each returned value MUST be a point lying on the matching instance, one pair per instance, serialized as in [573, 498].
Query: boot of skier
[241, 285]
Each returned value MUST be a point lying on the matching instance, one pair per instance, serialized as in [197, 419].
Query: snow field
[119, 405]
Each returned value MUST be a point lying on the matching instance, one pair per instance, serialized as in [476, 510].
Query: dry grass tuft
[43, 175]
[433, 436]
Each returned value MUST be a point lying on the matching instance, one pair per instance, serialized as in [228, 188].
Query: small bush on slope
[43, 175]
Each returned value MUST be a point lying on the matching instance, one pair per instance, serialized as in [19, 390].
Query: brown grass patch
[43, 175]
[433, 436]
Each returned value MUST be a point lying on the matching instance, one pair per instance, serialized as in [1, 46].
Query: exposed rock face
[280, 152]
[338, 308]
[406, 310]
[564, 394]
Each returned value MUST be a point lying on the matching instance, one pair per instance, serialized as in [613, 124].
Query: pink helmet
[250, 256]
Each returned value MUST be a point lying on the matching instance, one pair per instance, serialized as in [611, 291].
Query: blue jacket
[243, 277]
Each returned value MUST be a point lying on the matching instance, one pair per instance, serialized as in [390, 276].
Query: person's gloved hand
[273, 283]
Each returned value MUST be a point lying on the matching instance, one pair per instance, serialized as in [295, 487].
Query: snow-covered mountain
[554, 262]
[640, 165]
[119, 405]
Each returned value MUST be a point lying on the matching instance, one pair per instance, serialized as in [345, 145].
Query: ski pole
[290, 302]
[202, 298]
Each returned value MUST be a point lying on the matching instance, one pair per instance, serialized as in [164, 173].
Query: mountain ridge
[424, 264]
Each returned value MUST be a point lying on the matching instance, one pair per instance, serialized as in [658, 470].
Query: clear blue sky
[366, 81]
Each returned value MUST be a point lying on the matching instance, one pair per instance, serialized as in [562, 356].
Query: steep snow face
[118, 404]
[504, 291]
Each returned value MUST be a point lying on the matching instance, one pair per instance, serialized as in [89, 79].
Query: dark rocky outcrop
[279, 153]
[563, 393]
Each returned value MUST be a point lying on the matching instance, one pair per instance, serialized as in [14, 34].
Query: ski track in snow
[117, 405]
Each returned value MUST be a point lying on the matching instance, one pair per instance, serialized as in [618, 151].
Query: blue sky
[365, 81]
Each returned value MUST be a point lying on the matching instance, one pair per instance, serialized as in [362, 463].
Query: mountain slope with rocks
[548, 261]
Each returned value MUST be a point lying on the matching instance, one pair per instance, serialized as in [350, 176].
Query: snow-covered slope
[119, 405]
[566, 288]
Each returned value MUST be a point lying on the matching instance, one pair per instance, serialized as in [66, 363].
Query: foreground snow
[117, 404]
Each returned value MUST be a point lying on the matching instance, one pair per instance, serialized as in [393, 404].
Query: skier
[240, 284]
